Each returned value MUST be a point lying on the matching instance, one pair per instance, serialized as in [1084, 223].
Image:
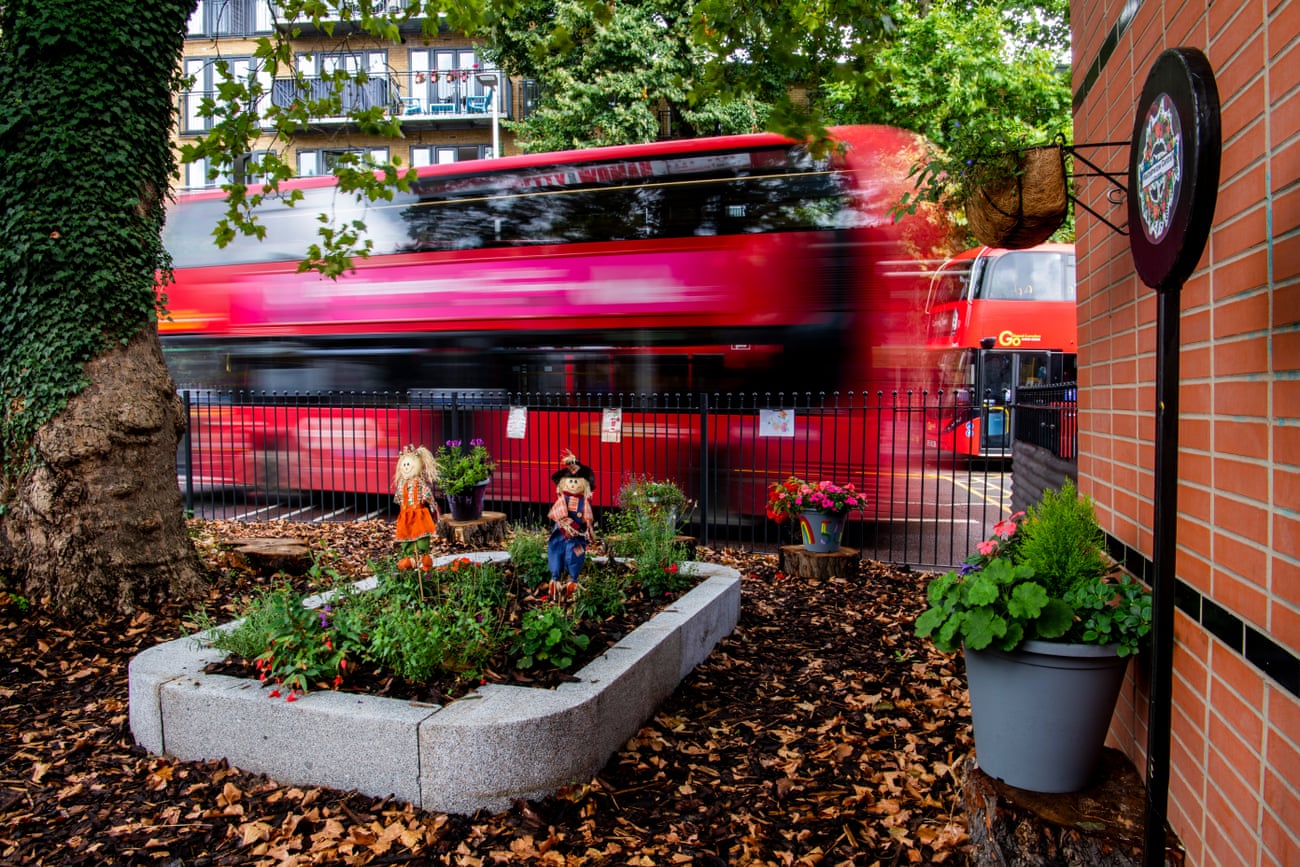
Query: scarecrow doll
[566, 549]
[417, 520]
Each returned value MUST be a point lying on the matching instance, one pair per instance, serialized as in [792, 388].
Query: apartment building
[450, 103]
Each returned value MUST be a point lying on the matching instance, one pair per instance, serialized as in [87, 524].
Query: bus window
[1029, 276]
[997, 377]
[1033, 369]
[950, 284]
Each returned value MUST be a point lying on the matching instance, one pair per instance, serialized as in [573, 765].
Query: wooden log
[271, 555]
[624, 544]
[1101, 826]
[488, 531]
[795, 560]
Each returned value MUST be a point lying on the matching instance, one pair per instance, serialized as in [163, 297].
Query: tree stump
[619, 543]
[795, 560]
[488, 531]
[1101, 826]
[270, 556]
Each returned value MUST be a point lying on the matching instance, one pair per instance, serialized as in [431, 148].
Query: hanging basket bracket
[1116, 191]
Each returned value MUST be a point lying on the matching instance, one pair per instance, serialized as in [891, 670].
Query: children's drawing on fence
[776, 423]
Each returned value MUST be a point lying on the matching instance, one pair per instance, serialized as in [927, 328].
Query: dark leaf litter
[820, 732]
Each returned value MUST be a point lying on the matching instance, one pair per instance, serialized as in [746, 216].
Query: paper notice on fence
[611, 426]
[776, 423]
[517, 423]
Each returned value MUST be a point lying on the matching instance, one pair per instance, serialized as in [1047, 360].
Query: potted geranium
[1046, 623]
[820, 508]
[463, 474]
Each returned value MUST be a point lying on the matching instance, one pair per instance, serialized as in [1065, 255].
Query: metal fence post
[705, 469]
[189, 453]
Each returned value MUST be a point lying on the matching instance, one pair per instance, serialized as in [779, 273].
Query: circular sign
[1173, 174]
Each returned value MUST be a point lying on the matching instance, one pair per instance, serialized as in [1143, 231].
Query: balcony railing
[353, 8]
[455, 94]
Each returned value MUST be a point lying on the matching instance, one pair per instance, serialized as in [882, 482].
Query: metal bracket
[1117, 192]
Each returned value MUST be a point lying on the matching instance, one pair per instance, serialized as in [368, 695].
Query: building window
[231, 18]
[428, 155]
[196, 176]
[325, 160]
[444, 79]
[206, 77]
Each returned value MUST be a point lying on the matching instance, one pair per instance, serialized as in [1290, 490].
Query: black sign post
[1173, 183]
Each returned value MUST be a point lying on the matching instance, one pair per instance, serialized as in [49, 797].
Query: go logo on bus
[1011, 338]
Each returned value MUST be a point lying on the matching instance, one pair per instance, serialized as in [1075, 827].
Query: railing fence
[328, 456]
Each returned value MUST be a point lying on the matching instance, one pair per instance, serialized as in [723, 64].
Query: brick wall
[1234, 794]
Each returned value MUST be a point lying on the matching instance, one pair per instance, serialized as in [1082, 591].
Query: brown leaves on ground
[821, 732]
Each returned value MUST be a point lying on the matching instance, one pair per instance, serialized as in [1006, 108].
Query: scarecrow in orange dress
[417, 519]
[574, 530]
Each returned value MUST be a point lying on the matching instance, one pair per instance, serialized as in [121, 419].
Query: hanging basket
[1024, 210]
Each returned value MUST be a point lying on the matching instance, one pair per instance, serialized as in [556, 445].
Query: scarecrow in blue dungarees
[574, 530]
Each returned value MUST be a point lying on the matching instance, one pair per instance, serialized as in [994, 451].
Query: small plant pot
[469, 505]
[1023, 210]
[1041, 712]
[821, 530]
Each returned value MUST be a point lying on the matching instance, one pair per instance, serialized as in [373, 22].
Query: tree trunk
[99, 520]
[90, 512]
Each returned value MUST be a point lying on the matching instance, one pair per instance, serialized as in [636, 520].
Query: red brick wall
[1234, 793]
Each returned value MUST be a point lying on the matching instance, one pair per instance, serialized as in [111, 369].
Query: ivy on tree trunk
[90, 512]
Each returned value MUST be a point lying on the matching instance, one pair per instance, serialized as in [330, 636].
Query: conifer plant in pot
[1047, 624]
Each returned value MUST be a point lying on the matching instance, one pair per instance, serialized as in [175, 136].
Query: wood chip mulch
[820, 732]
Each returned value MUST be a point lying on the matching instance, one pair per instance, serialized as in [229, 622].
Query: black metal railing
[331, 455]
[1048, 417]
[352, 96]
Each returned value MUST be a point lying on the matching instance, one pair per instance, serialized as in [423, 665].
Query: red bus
[739, 263]
[999, 320]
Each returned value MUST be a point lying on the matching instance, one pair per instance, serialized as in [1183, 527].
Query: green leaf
[1027, 600]
[981, 627]
[1055, 620]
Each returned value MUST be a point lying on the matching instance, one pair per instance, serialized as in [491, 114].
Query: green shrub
[1045, 577]
[1061, 540]
[548, 634]
[603, 592]
[655, 500]
[527, 550]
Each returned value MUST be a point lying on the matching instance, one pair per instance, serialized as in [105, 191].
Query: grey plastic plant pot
[1041, 712]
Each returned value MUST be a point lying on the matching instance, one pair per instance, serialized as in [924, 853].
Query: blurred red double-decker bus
[999, 321]
[731, 264]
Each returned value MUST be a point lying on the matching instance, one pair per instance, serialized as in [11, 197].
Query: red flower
[292, 696]
[275, 693]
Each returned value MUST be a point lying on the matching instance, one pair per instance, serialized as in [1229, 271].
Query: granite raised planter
[479, 752]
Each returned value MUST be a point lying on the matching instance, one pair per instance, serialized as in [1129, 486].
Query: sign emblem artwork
[1160, 167]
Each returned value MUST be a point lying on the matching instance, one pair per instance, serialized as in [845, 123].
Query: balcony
[422, 100]
[353, 10]
[436, 99]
